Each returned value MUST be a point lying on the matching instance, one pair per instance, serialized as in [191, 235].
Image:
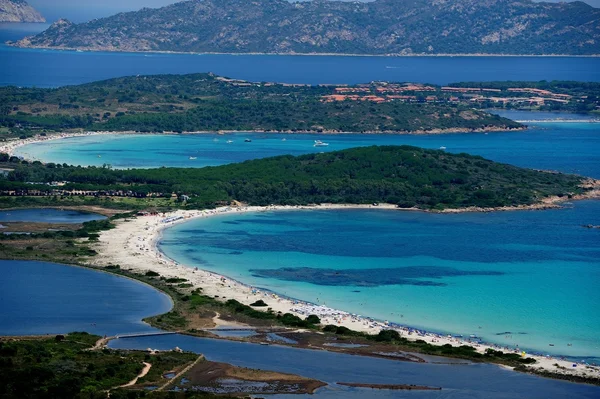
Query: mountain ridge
[382, 27]
[19, 11]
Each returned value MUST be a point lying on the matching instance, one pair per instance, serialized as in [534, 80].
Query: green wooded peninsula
[407, 176]
[207, 102]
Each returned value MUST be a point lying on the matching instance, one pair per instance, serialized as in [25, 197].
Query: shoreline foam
[133, 245]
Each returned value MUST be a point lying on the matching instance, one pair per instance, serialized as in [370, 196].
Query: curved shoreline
[133, 244]
[9, 147]
[17, 44]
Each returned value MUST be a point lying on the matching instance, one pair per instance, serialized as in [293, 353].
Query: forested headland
[403, 175]
[206, 102]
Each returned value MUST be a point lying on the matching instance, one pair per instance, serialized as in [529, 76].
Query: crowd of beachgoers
[133, 245]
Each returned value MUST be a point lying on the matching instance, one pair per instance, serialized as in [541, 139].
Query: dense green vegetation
[64, 367]
[204, 102]
[463, 351]
[403, 175]
[375, 27]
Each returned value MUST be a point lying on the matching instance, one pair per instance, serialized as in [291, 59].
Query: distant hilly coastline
[382, 27]
[19, 11]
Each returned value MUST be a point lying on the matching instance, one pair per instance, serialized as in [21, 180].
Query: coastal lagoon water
[48, 298]
[566, 147]
[475, 381]
[526, 278]
[52, 68]
[48, 215]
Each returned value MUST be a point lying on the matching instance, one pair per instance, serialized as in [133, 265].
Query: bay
[566, 147]
[523, 279]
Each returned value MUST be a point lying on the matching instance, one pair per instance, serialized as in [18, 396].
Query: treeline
[63, 366]
[347, 116]
[249, 115]
[403, 175]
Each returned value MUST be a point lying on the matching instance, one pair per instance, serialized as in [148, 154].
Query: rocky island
[19, 11]
[381, 27]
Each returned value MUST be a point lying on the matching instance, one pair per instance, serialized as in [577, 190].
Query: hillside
[18, 11]
[380, 27]
[403, 175]
[206, 102]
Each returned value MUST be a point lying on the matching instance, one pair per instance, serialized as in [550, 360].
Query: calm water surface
[51, 68]
[477, 381]
[48, 298]
[525, 278]
[48, 215]
[566, 147]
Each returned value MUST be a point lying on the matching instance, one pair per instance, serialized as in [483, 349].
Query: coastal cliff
[381, 27]
[19, 11]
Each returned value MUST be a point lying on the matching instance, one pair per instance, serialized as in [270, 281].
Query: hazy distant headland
[18, 11]
[382, 27]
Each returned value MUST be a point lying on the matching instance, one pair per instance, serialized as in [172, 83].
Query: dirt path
[181, 373]
[145, 370]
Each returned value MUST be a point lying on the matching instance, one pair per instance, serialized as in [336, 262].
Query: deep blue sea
[473, 381]
[50, 68]
[47, 215]
[48, 298]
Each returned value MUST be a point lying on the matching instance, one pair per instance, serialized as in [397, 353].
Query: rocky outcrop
[380, 27]
[19, 11]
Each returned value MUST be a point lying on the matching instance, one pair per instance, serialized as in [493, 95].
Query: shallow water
[566, 147]
[524, 278]
[48, 298]
[477, 381]
[48, 215]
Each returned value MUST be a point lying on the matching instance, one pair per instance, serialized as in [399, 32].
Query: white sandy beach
[132, 245]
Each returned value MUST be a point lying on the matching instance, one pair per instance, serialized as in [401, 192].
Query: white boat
[229, 141]
[192, 158]
[442, 148]
[319, 143]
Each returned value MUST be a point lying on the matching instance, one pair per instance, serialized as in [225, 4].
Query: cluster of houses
[380, 92]
[54, 191]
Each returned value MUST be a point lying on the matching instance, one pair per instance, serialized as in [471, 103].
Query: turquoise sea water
[526, 278]
[567, 147]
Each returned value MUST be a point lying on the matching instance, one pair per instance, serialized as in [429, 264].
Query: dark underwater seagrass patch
[413, 275]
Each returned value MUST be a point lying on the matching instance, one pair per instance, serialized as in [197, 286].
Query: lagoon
[47, 298]
[476, 381]
[48, 215]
